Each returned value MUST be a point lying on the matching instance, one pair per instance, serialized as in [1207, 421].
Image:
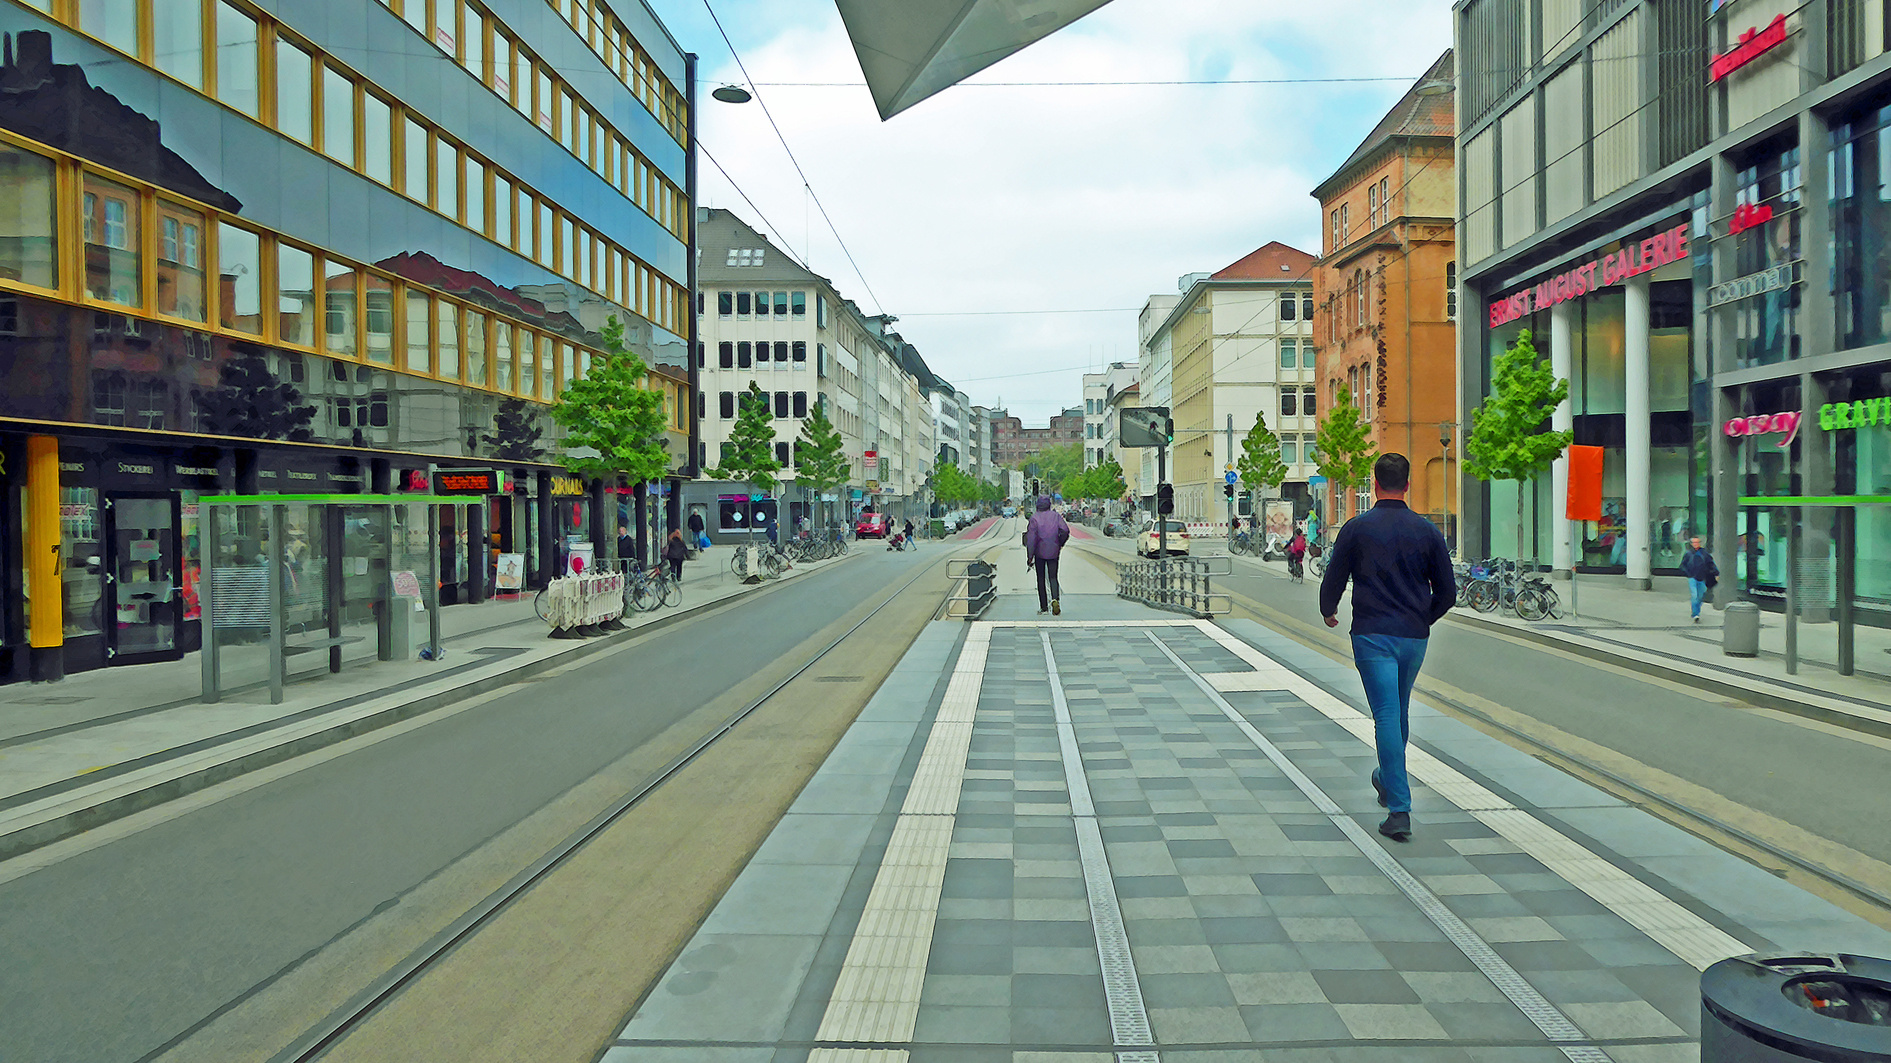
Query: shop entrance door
[143, 604]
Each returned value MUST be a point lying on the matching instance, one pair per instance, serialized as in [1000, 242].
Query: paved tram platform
[1120, 835]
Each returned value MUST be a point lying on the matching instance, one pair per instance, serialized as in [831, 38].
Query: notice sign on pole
[470, 482]
[1585, 483]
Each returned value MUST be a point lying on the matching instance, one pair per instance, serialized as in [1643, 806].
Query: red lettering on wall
[1752, 44]
[1577, 281]
[1748, 215]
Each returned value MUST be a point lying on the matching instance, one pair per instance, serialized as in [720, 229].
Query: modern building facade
[313, 246]
[1097, 428]
[1122, 398]
[1384, 293]
[1685, 208]
[1235, 342]
[1155, 373]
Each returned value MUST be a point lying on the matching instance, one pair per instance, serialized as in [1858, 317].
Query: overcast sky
[981, 215]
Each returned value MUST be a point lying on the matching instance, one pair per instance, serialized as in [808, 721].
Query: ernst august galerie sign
[1632, 260]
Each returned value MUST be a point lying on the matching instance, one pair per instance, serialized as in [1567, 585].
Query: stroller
[895, 541]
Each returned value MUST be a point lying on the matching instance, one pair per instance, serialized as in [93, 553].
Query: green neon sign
[1863, 413]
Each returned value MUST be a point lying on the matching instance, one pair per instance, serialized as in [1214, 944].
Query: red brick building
[1013, 445]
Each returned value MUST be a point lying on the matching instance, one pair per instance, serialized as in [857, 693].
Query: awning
[911, 49]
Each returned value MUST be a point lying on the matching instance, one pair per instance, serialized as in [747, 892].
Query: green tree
[751, 454]
[1059, 463]
[1344, 448]
[612, 417]
[1259, 464]
[821, 463]
[1106, 483]
[1509, 437]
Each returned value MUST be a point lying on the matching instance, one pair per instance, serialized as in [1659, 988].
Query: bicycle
[647, 591]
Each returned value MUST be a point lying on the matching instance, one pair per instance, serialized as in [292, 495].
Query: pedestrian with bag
[1044, 537]
[676, 551]
[1400, 571]
[1701, 572]
[695, 525]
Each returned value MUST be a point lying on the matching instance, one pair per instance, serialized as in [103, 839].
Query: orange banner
[1585, 483]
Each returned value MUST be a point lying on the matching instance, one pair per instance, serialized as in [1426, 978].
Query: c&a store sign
[1631, 260]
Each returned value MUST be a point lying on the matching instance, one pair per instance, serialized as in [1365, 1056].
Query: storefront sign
[470, 482]
[1748, 215]
[1752, 44]
[1773, 279]
[72, 466]
[195, 470]
[137, 470]
[567, 485]
[1766, 424]
[1864, 413]
[1611, 269]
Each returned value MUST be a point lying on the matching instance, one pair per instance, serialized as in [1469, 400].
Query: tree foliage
[821, 462]
[613, 411]
[1104, 482]
[1259, 464]
[950, 484]
[751, 454]
[1059, 463]
[1509, 437]
[1345, 451]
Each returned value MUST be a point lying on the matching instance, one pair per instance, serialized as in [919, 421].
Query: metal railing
[981, 587]
[1180, 585]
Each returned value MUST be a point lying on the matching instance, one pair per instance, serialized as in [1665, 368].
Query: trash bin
[1796, 1006]
[1740, 630]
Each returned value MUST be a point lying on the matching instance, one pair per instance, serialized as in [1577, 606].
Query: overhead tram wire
[805, 183]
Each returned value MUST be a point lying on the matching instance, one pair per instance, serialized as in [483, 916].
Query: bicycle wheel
[541, 604]
[1531, 604]
[672, 593]
[644, 597]
[1484, 595]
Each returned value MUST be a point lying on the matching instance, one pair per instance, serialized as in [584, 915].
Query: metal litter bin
[1794, 1007]
[1740, 630]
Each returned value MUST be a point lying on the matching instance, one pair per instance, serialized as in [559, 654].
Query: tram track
[317, 1040]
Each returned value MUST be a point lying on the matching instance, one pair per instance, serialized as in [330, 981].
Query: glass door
[142, 578]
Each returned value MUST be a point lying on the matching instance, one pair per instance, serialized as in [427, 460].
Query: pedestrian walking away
[1698, 565]
[908, 530]
[1400, 570]
[676, 551]
[1044, 537]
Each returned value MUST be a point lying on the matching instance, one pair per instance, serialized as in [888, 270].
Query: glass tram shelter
[295, 584]
[1825, 580]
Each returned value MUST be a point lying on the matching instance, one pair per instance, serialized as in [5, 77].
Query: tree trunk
[1519, 525]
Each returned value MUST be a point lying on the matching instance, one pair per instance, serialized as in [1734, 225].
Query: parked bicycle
[649, 590]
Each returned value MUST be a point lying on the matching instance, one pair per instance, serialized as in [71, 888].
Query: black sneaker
[1379, 787]
[1397, 826]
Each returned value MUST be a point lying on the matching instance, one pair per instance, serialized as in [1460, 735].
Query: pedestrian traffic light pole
[1162, 518]
[1229, 492]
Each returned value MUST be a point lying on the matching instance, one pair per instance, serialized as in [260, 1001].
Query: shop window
[377, 138]
[296, 305]
[380, 318]
[111, 242]
[28, 249]
[419, 322]
[295, 81]
[178, 40]
[340, 316]
[338, 116]
[236, 60]
[240, 296]
[447, 333]
[475, 348]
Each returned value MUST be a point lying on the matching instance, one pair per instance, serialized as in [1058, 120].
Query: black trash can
[1796, 1006]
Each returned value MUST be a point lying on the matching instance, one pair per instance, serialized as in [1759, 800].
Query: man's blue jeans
[1388, 666]
[1697, 589]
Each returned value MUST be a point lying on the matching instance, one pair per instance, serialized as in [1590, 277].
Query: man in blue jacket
[1402, 582]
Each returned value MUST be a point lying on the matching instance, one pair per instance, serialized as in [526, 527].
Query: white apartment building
[1099, 432]
[1155, 372]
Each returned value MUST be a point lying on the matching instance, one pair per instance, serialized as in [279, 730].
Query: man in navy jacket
[1402, 583]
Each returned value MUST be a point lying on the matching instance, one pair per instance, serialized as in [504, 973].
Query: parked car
[872, 526]
[1148, 543]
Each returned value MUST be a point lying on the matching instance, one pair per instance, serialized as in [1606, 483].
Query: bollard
[1740, 630]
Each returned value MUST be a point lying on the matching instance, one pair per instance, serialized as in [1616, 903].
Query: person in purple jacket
[1044, 537]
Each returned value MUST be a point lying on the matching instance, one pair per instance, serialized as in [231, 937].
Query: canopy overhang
[911, 49]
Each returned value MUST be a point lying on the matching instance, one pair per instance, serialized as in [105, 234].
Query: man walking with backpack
[1044, 537]
[1402, 581]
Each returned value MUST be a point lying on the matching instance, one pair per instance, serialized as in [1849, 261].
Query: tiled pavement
[926, 898]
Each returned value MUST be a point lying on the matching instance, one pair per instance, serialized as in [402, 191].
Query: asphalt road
[118, 952]
[1809, 777]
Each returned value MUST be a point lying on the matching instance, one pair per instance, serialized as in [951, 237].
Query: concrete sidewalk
[1096, 839]
[105, 744]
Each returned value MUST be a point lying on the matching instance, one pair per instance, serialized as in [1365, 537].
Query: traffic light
[1037, 486]
[1227, 490]
[1165, 499]
[1168, 429]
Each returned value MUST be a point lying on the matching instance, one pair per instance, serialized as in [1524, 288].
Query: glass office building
[1685, 203]
[317, 247]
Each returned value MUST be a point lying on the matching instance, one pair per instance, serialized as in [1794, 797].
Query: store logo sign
[1767, 424]
[1611, 269]
[1749, 215]
[1864, 413]
[1752, 44]
[1773, 279]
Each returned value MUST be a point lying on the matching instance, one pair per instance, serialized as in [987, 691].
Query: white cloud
[996, 199]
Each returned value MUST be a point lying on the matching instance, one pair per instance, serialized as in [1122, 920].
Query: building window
[798, 303]
[742, 304]
[236, 60]
[781, 404]
[112, 270]
[781, 350]
[1289, 404]
[761, 304]
[800, 404]
[781, 454]
[295, 293]
[1287, 306]
[725, 354]
[800, 351]
[1306, 307]
[742, 355]
[1385, 200]
[820, 310]
[240, 254]
[1372, 206]
[725, 304]
[1307, 401]
[377, 138]
[178, 45]
[295, 81]
[338, 116]
[180, 262]
[338, 301]
[781, 304]
[1451, 291]
[1290, 450]
[1289, 354]
[725, 405]
[28, 247]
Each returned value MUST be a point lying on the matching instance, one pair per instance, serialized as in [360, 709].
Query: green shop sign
[1864, 413]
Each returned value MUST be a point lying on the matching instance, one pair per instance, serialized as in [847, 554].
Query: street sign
[1316, 481]
[1144, 426]
[1230, 478]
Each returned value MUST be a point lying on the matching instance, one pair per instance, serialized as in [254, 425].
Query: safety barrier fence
[584, 603]
[1180, 585]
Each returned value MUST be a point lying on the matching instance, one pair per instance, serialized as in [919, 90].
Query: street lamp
[731, 94]
[1444, 444]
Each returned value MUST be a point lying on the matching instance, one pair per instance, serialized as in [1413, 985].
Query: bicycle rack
[981, 587]
[1179, 585]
